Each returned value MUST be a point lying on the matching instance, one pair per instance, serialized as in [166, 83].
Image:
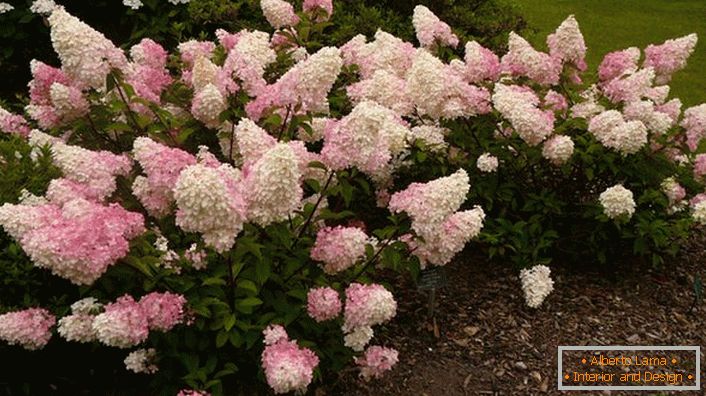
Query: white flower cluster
[86, 55]
[617, 201]
[699, 212]
[358, 338]
[487, 163]
[433, 136]
[43, 7]
[656, 122]
[5, 7]
[278, 13]
[251, 141]
[558, 149]
[384, 88]
[537, 284]
[519, 107]
[208, 204]
[142, 361]
[78, 327]
[272, 188]
[208, 104]
[626, 137]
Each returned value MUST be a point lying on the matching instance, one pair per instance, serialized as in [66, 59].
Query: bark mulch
[484, 340]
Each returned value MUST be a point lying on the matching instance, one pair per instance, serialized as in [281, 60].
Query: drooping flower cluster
[288, 367]
[30, 328]
[669, 57]
[86, 55]
[323, 303]
[433, 208]
[617, 201]
[91, 172]
[537, 284]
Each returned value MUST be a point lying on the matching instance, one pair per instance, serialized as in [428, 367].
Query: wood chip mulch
[484, 340]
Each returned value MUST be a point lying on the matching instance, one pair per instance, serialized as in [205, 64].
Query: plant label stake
[432, 279]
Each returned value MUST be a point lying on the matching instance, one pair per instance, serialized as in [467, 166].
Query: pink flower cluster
[13, 124]
[126, 322]
[54, 96]
[323, 303]
[376, 361]
[30, 328]
[311, 6]
[147, 73]
[433, 208]
[367, 138]
[431, 30]
[367, 305]
[162, 165]
[88, 174]
[339, 248]
[287, 366]
[669, 57]
[77, 240]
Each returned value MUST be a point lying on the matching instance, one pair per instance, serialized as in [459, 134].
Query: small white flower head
[43, 7]
[699, 213]
[358, 338]
[88, 305]
[617, 201]
[142, 361]
[6, 7]
[558, 149]
[487, 163]
[134, 4]
[537, 284]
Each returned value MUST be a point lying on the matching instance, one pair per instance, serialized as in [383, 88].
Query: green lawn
[609, 25]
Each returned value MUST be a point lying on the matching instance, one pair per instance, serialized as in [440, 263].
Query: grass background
[610, 25]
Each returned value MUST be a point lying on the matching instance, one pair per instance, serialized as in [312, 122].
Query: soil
[484, 340]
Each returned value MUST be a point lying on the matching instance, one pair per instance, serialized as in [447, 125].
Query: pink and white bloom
[617, 201]
[163, 310]
[670, 56]
[376, 361]
[339, 248]
[323, 303]
[287, 366]
[279, 13]
[29, 328]
[124, 323]
[367, 305]
[431, 30]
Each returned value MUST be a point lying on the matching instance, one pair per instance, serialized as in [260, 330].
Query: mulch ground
[486, 341]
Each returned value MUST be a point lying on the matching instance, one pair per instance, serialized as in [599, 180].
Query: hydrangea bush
[225, 209]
